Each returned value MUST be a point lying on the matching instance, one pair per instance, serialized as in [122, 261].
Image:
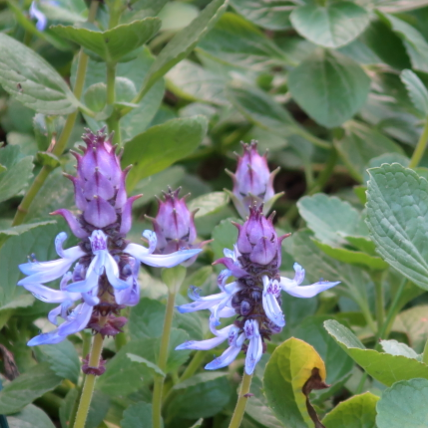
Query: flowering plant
[151, 279]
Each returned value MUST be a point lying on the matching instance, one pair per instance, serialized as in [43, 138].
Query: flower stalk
[88, 387]
[239, 411]
[173, 278]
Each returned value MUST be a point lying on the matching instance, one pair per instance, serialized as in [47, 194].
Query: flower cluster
[254, 298]
[106, 265]
[252, 181]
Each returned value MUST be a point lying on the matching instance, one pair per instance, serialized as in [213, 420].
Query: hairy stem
[88, 387]
[239, 411]
[65, 134]
[420, 147]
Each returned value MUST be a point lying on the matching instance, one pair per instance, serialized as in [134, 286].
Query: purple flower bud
[174, 224]
[99, 189]
[252, 181]
[257, 239]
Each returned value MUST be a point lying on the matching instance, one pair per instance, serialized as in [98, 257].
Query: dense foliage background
[331, 88]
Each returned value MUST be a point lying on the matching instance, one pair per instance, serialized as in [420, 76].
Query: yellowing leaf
[291, 366]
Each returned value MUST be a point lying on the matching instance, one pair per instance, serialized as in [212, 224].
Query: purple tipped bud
[252, 181]
[99, 186]
[257, 239]
[174, 224]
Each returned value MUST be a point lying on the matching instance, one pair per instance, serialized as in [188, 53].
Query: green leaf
[225, 235]
[352, 257]
[312, 331]
[396, 348]
[414, 42]
[259, 409]
[146, 319]
[329, 217]
[194, 83]
[156, 183]
[51, 196]
[142, 9]
[41, 241]
[385, 368]
[259, 108]
[360, 144]
[151, 366]
[114, 44]
[418, 93]
[33, 81]
[177, 15]
[123, 376]
[395, 6]
[63, 359]
[209, 203]
[18, 230]
[287, 371]
[162, 145]
[403, 405]
[201, 396]
[137, 415]
[272, 15]
[358, 411]
[237, 42]
[355, 282]
[184, 42]
[397, 216]
[18, 171]
[331, 26]
[27, 387]
[386, 45]
[413, 322]
[329, 87]
[30, 417]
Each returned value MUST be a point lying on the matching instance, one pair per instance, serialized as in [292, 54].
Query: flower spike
[104, 278]
[254, 297]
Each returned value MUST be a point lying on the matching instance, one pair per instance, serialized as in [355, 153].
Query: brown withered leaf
[314, 382]
[10, 368]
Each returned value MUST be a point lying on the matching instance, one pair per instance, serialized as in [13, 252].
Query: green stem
[195, 363]
[392, 312]
[420, 147]
[425, 353]
[88, 388]
[314, 140]
[193, 366]
[380, 310]
[116, 9]
[386, 328]
[326, 173]
[86, 338]
[163, 357]
[319, 183]
[65, 134]
[239, 411]
[113, 121]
